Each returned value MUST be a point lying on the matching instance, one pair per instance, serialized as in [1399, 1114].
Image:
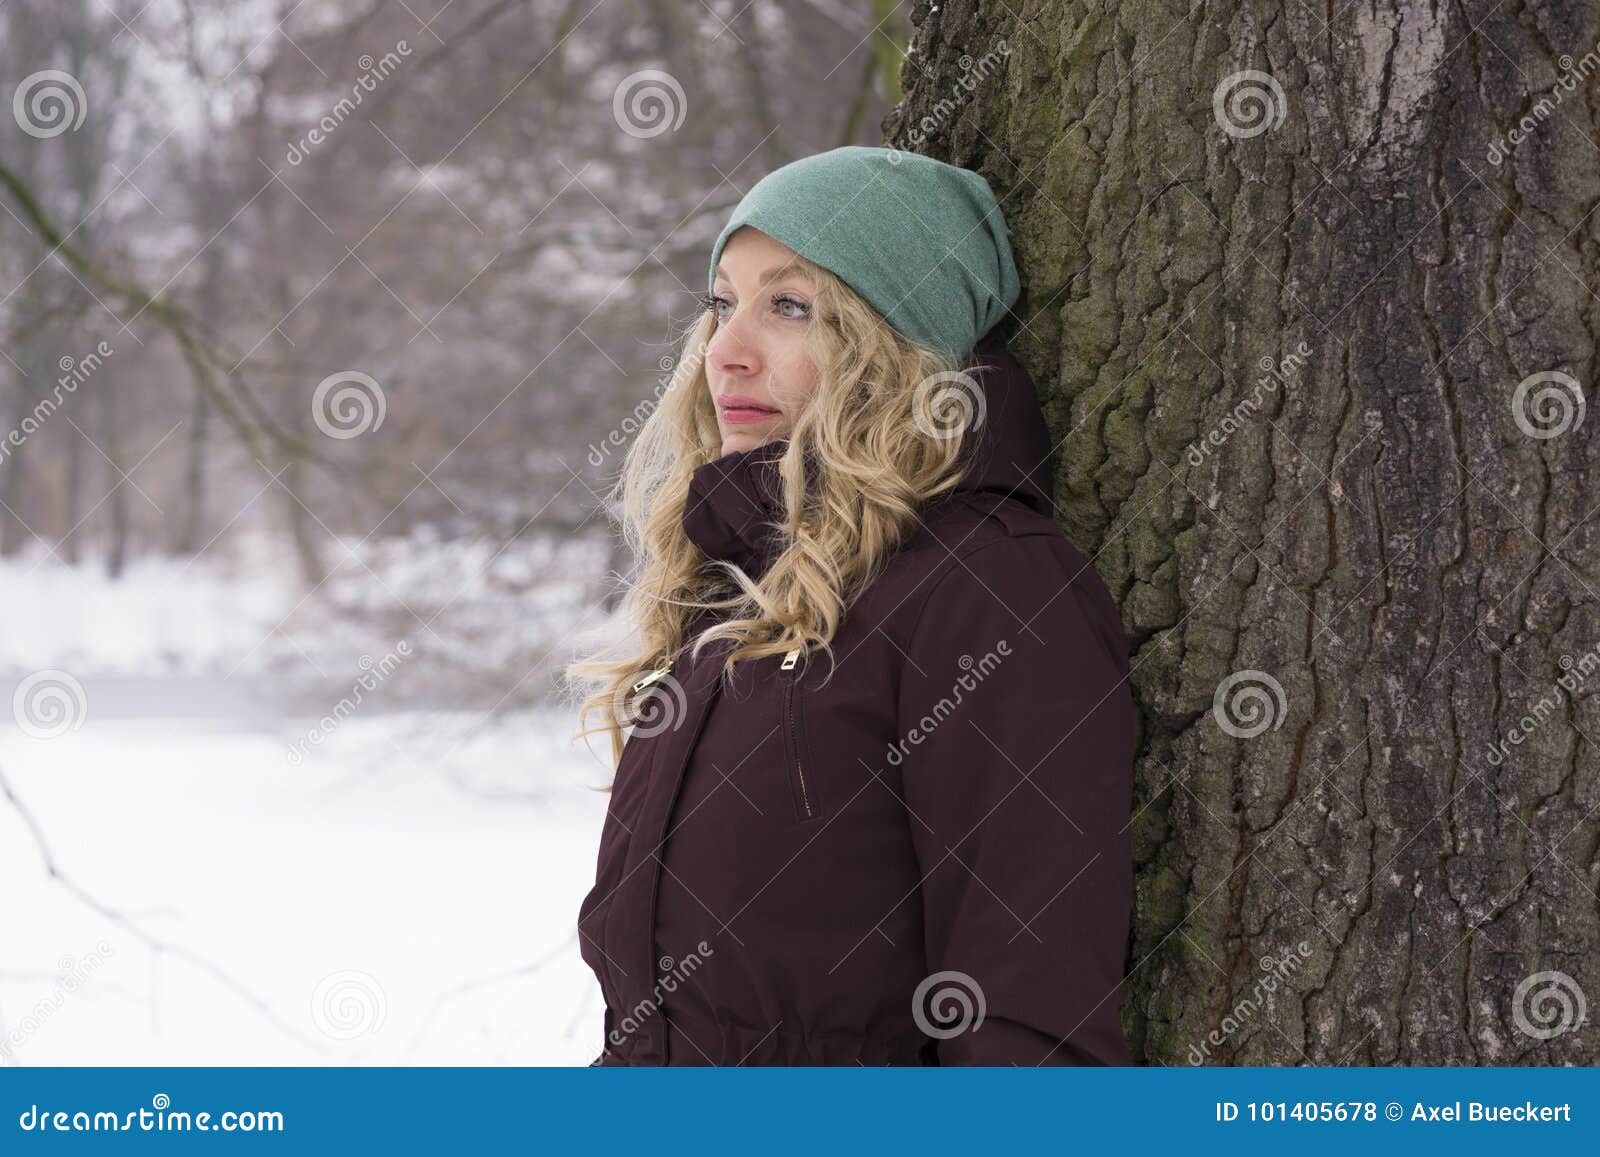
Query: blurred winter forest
[323, 328]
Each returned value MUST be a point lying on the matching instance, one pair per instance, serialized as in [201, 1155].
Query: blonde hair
[880, 445]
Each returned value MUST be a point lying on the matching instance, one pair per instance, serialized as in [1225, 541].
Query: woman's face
[759, 372]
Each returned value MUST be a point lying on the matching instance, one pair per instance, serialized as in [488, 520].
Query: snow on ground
[404, 893]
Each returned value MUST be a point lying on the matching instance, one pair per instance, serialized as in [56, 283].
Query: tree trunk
[116, 478]
[191, 533]
[1315, 340]
[14, 531]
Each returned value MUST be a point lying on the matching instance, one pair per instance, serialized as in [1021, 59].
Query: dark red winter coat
[925, 860]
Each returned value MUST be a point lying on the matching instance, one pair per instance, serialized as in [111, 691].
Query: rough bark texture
[1412, 836]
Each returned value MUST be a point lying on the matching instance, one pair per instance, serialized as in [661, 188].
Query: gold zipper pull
[790, 659]
[658, 673]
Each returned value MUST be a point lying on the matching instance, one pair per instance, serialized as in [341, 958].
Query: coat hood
[734, 501]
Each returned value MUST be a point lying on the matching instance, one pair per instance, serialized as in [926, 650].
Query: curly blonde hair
[879, 446]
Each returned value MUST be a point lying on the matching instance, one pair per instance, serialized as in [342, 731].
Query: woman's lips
[740, 410]
[741, 414]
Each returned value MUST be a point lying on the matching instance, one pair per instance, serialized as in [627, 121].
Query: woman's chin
[734, 441]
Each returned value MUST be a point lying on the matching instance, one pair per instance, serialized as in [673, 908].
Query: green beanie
[924, 242]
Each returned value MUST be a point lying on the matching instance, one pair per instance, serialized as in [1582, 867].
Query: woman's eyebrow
[782, 271]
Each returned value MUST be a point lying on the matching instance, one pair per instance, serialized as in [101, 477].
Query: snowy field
[199, 870]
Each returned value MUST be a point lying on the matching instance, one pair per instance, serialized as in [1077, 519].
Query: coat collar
[734, 504]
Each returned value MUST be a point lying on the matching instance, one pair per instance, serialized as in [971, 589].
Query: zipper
[635, 702]
[790, 721]
[658, 673]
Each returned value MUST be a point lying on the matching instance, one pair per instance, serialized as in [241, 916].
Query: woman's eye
[801, 309]
[789, 308]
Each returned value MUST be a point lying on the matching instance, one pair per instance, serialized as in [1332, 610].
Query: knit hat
[923, 241]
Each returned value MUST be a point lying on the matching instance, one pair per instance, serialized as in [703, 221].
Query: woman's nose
[731, 351]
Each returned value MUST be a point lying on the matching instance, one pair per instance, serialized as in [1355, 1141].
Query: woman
[875, 804]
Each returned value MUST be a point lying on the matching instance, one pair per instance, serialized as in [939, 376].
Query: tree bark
[1287, 363]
